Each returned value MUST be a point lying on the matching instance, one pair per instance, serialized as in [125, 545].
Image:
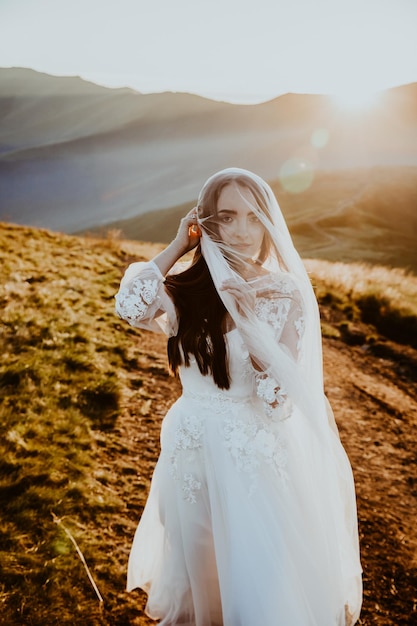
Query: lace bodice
[246, 432]
[143, 301]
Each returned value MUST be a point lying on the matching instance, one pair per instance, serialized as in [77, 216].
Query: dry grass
[70, 372]
[385, 298]
[63, 351]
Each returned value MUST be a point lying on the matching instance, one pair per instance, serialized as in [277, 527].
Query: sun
[355, 99]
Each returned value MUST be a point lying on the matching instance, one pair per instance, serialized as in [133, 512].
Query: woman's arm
[142, 299]
[283, 312]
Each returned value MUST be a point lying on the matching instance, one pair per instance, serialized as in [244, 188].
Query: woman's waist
[218, 401]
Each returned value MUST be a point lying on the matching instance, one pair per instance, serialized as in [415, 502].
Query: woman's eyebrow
[228, 211]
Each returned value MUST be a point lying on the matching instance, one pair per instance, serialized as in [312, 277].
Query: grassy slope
[351, 215]
[70, 372]
[64, 354]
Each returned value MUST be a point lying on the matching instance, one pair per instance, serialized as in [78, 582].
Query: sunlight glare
[355, 99]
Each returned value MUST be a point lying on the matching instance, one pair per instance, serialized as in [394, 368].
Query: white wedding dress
[236, 530]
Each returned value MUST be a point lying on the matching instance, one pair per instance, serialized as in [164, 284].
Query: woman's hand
[187, 238]
[244, 295]
[189, 233]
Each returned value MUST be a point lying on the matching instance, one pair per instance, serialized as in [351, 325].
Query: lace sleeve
[281, 308]
[143, 301]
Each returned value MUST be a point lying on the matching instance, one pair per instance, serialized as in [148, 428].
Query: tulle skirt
[247, 522]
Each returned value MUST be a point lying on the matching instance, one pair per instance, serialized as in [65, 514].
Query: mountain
[38, 110]
[344, 215]
[75, 155]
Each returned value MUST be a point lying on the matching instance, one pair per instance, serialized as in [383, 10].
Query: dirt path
[377, 419]
[375, 404]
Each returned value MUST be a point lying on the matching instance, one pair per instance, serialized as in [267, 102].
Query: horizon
[345, 100]
[261, 51]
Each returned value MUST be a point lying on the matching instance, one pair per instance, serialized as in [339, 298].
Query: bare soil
[373, 391]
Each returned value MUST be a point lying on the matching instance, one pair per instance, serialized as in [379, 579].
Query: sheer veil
[283, 273]
[291, 359]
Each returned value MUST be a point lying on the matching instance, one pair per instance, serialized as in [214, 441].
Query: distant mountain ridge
[350, 215]
[70, 108]
[75, 155]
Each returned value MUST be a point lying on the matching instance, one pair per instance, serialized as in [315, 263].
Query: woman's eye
[226, 219]
[255, 219]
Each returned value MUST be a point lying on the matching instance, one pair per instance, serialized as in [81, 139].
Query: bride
[251, 516]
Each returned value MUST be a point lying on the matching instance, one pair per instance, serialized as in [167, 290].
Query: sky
[236, 50]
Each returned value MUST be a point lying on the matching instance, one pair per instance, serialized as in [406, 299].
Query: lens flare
[319, 137]
[296, 175]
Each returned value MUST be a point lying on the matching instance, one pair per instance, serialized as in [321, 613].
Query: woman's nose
[242, 229]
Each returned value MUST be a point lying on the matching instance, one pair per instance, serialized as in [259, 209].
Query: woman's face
[238, 225]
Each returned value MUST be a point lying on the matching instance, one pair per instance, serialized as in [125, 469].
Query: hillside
[83, 395]
[75, 156]
[350, 215]
[38, 110]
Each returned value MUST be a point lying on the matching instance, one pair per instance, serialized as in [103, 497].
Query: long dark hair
[201, 322]
[202, 314]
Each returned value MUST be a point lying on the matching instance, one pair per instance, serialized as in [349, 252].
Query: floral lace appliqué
[189, 488]
[134, 304]
[251, 446]
[299, 327]
[187, 440]
[273, 311]
[275, 400]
